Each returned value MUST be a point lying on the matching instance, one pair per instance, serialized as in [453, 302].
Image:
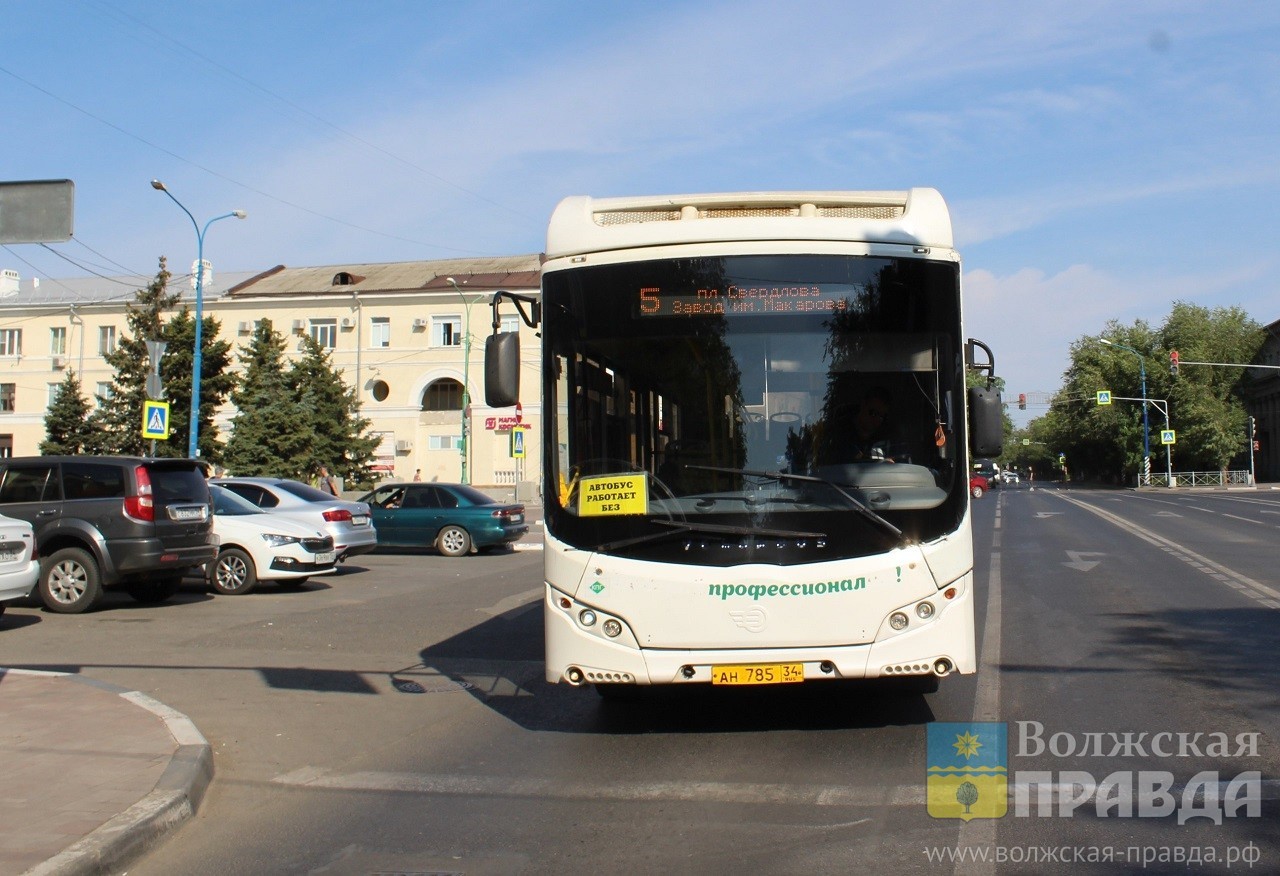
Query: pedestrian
[325, 482]
[417, 474]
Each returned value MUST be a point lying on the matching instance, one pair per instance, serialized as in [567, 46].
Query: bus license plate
[758, 673]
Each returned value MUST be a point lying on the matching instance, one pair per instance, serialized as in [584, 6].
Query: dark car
[107, 521]
[456, 519]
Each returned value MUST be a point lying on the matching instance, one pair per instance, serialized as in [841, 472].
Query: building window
[58, 341]
[106, 340]
[8, 397]
[103, 394]
[509, 323]
[443, 395]
[53, 393]
[444, 442]
[446, 331]
[380, 331]
[380, 390]
[10, 342]
[325, 332]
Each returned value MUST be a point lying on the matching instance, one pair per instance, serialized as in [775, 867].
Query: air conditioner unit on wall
[404, 446]
[245, 327]
[59, 362]
[347, 322]
[299, 326]
[419, 324]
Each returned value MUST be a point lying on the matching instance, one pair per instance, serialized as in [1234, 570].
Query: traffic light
[1022, 401]
[1173, 362]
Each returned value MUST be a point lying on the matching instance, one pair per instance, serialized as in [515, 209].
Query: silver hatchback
[348, 522]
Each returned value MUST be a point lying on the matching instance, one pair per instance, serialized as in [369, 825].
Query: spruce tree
[271, 432]
[116, 423]
[66, 424]
[340, 436]
[216, 382]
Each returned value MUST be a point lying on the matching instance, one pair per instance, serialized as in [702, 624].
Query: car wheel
[70, 582]
[154, 592]
[453, 541]
[233, 573]
[977, 491]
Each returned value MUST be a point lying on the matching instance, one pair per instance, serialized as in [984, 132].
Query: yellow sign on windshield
[613, 494]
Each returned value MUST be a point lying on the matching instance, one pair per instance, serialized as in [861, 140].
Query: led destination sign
[746, 300]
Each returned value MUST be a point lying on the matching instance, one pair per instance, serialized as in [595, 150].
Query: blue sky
[1101, 160]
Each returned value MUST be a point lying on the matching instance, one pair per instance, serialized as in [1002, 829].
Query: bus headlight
[898, 620]
[611, 628]
[924, 610]
[587, 617]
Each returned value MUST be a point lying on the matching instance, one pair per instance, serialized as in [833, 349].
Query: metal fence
[1197, 479]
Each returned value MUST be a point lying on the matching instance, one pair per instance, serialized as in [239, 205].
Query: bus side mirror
[986, 421]
[502, 369]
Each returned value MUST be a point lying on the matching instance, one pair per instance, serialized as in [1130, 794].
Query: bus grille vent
[865, 211]
[633, 217]
[600, 676]
[608, 218]
[909, 669]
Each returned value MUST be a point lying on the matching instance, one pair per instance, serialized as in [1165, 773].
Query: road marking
[556, 788]
[981, 832]
[1256, 590]
[1041, 515]
[1079, 562]
[680, 791]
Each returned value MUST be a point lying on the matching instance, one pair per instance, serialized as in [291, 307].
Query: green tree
[967, 795]
[1206, 406]
[66, 425]
[216, 382]
[271, 433]
[340, 437]
[116, 423]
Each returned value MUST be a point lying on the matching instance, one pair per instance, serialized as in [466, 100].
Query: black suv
[103, 521]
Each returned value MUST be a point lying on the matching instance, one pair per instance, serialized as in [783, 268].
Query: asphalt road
[394, 718]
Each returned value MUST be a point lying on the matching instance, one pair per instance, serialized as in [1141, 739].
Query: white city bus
[718, 508]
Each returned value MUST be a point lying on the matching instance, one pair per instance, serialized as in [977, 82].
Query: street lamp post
[1145, 475]
[466, 374]
[197, 358]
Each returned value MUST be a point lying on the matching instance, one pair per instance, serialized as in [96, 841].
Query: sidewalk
[92, 774]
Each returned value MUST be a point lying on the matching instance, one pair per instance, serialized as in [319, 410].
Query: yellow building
[398, 333]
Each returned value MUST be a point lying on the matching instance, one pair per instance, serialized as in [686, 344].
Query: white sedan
[256, 546]
[19, 568]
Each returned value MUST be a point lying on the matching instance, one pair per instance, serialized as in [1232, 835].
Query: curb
[175, 798]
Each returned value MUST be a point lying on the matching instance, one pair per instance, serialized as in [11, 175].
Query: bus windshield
[778, 409]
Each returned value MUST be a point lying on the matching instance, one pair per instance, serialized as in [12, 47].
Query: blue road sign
[155, 420]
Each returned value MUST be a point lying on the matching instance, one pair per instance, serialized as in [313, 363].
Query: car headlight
[279, 540]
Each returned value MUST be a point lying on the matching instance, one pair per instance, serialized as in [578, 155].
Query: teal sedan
[455, 519]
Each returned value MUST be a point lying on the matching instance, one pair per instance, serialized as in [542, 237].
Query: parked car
[254, 545]
[1009, 476]
[106, 521]
[348, 522]
[456, 519]
[19, 565]
[978, 485]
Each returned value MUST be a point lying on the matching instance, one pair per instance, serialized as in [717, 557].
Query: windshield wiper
[857, 503]
[676, 527]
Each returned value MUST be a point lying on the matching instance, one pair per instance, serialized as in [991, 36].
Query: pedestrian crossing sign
[1104, 396]
[155, 420]
[517, 442]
